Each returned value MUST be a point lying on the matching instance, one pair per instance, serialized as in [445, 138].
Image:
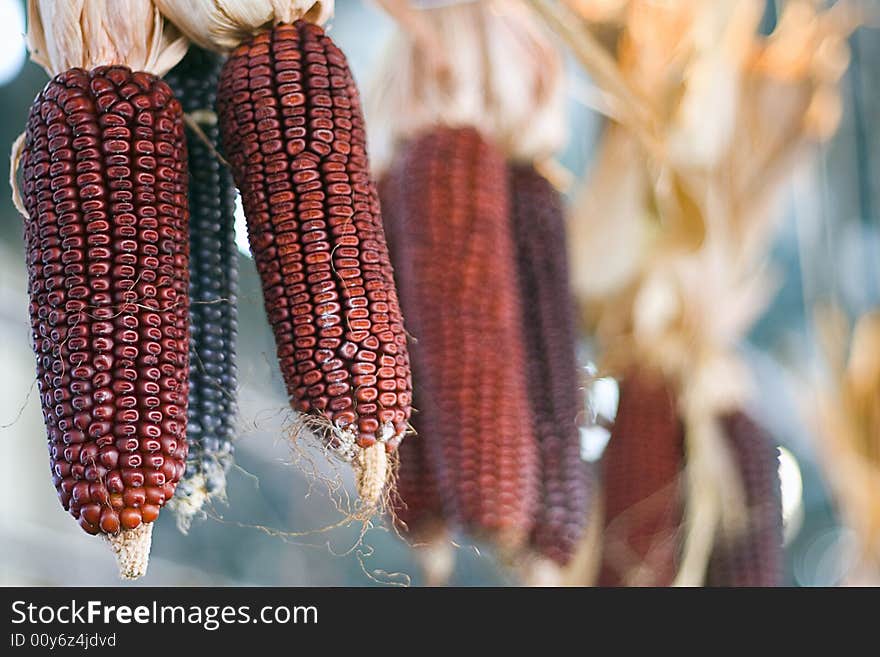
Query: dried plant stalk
[222, 25]
[485, 64]
[672, 267]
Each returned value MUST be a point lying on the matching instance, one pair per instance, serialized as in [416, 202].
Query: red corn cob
[549, 328]
[294, 135]
[447, 216]
[104, 183]
[753, 557]
[417, 507]
[642, 467]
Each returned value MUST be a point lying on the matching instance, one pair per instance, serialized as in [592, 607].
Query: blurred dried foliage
[847, 410]
[671, 231]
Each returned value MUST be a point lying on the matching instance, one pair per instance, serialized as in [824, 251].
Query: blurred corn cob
[641, 471]
[417, 508]
[294, 135]
[753, 555]
[447, 214]
[417, 502]
[551, 362]
[213, 288]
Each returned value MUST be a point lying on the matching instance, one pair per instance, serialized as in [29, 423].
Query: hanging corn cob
[641, 469]
[753, 555]
[548, 324]
[455, 74]
[213, 287]
[104, 187]
[293, 133]
[417, 505]
[418, 511]
[447, 215]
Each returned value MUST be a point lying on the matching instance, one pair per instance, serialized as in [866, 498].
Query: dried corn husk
[671, 232]
[89, 33]
[486, 64]
[221, 25]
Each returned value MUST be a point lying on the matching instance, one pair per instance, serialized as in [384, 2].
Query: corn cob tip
[132, 550]
[542, 572]
[436, 560]
[372, 473]
[187, 503]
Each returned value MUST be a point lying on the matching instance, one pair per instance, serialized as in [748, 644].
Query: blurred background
[274, 529]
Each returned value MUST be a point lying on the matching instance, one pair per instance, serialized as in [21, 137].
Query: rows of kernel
[261, 163]
[238, 101]
[454, 195]
[44, 262]
[101, 447]
[411, 193]
[506, 457]
[641, 472]
[59, 297]
[327, 355]
[392, 378]
[417, 504]
[751, 555]
[539, 229]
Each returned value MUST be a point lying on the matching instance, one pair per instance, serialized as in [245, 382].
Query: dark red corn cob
[104, 183]
[447, 216]
[556, 394]
[417, 506]
[293, 132]
[641, 473]
[752, 557]
[213, 289]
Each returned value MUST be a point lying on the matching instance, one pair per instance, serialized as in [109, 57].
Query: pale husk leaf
[65, 34]
[221, 25]
[484, 64]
